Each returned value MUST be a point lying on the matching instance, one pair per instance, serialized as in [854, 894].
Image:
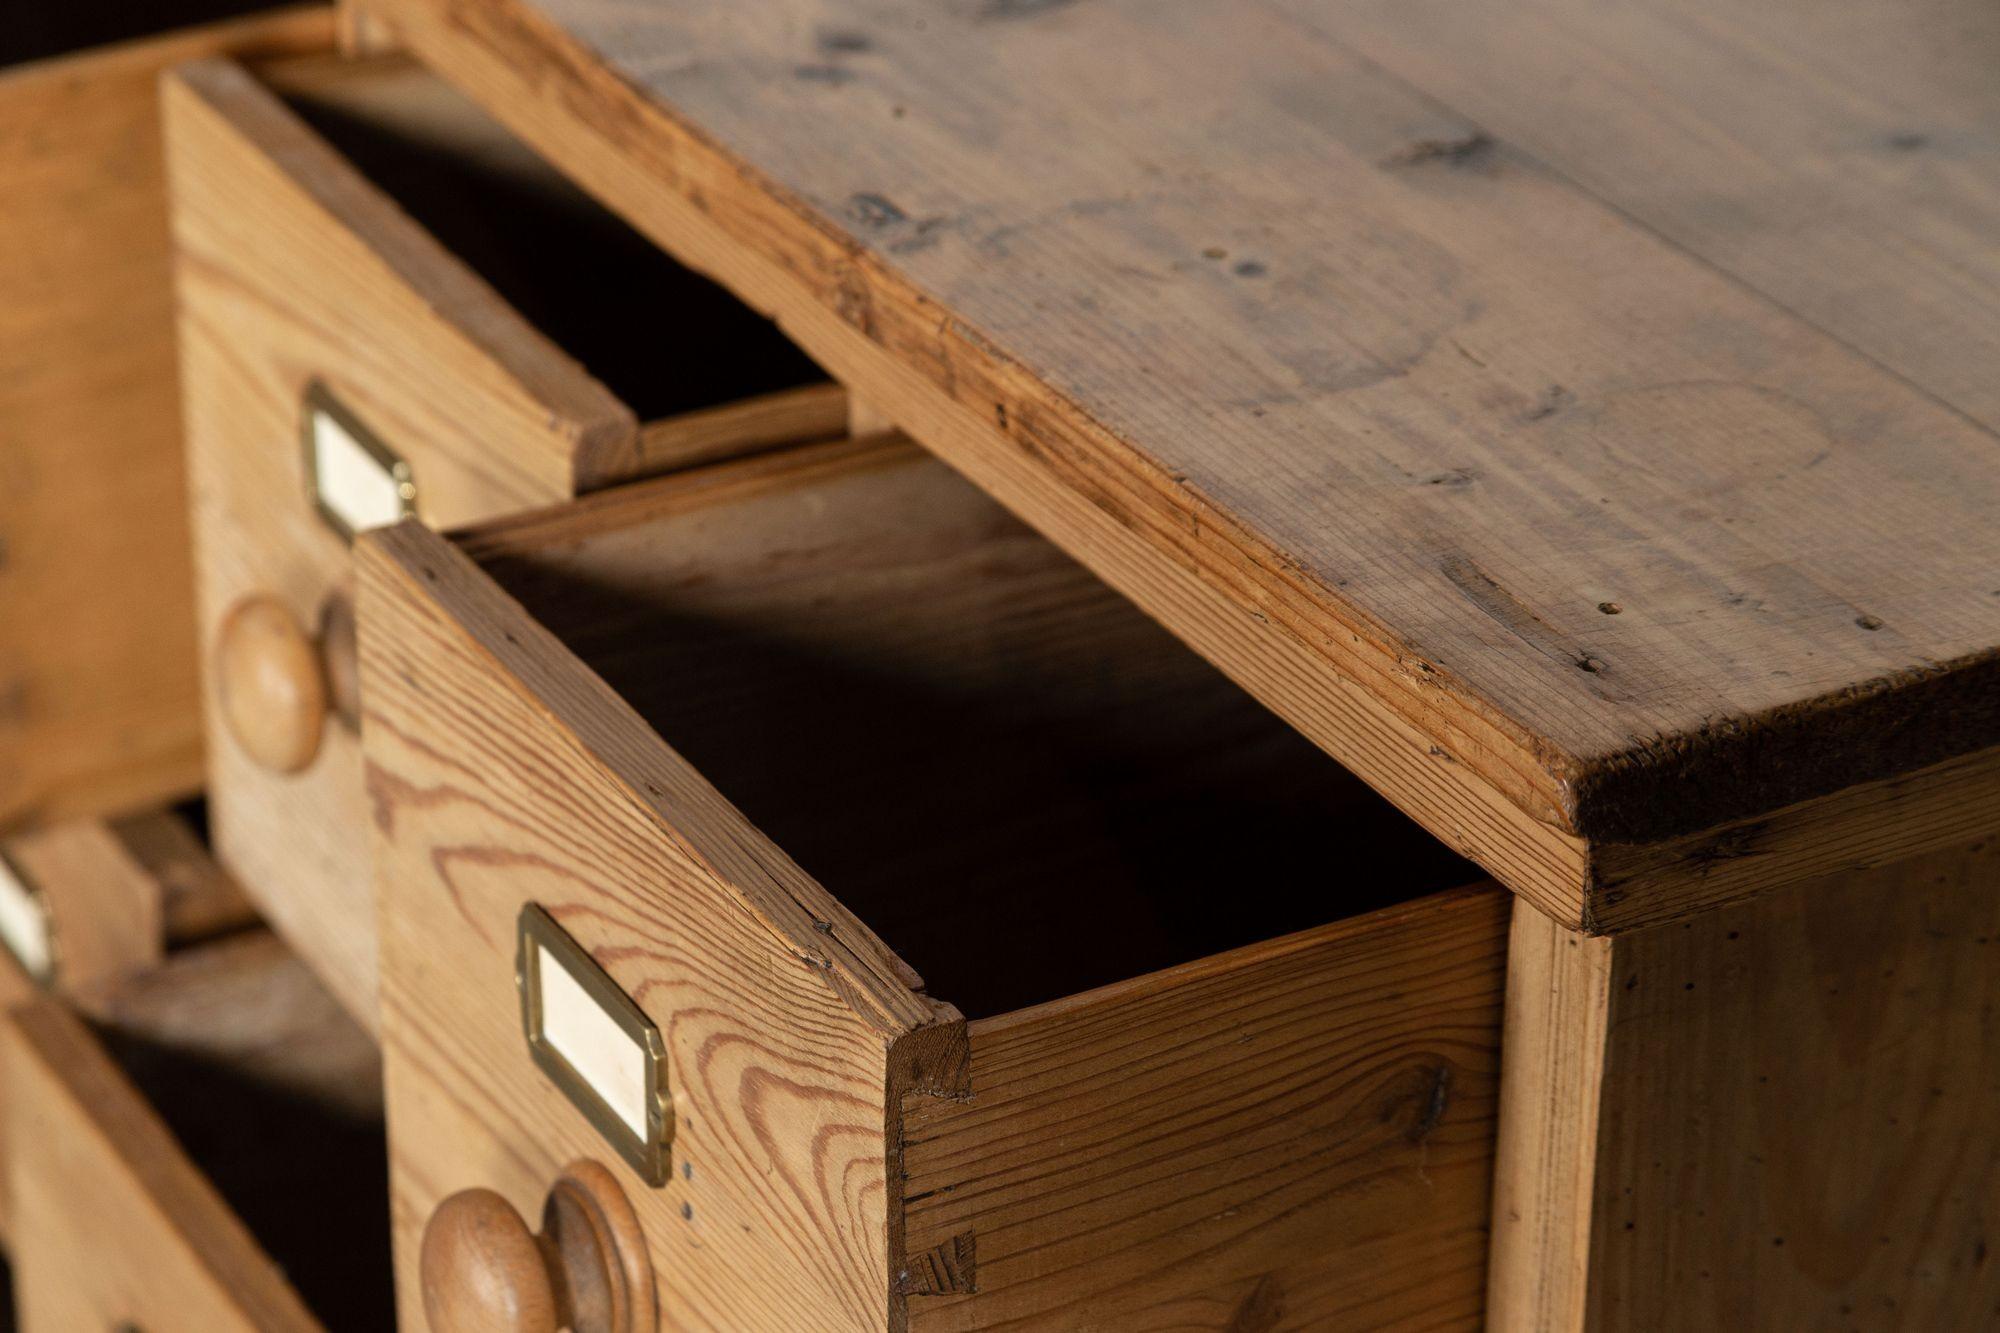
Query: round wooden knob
[272, 686]
[483, 1271]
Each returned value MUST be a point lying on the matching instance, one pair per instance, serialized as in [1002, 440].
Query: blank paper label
[24, 926]
[356, 487]
[607, 1059]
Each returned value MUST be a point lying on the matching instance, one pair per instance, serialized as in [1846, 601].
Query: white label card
[356, 487]
[24, 924]
[603, 1054]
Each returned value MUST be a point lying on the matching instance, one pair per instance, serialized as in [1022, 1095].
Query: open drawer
[203, 1152]
[388, 307]
[916, 932]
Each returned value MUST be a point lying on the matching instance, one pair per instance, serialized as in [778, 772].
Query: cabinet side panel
[97, 666]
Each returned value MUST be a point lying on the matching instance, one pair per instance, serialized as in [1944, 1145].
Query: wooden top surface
[1614, 377]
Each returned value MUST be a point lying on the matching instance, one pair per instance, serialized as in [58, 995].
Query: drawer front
[1301, 1125]
[97, 657]
[503, 773]
[116, 1227]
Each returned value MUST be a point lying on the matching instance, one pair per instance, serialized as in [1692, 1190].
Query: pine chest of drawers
[879, 665]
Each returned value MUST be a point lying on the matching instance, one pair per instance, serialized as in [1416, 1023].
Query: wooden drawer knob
[483, 1271]
[277, 681]
[273, 689]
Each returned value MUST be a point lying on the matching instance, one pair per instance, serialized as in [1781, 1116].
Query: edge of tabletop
[1662, 828]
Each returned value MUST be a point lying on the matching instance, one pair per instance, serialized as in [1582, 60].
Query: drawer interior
[276, 1096]
[662, 337]
[1025, 786]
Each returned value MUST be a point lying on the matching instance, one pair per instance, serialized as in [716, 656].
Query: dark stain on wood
[1261, 1310]
[832, 75]
[1729, 845]
[1021, 9]
[1484, 592]
[843, 41]
[1662, 786]
[1434, 1104]
[1552, 400]
[1466, 150]
[875, 211]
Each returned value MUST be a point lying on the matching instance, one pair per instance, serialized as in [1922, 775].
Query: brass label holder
[594, 1043]
[354, 480]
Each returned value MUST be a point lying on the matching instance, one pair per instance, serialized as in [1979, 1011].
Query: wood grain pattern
[1839, 158]
[119, 1228]
[1401, 526]
[1776, 1116]
[294, 266]
[501, 772]
[290, 266]
[1320, 1105]
[97, 667]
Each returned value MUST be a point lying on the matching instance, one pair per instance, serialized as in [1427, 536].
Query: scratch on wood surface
[1465, 150]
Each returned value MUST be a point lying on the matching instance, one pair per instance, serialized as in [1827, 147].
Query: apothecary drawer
[387, 306]
[908, 927]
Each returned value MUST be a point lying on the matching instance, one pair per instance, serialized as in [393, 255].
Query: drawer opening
[275, 1094]
[37, 32]
[663, 338]
[1023, 784]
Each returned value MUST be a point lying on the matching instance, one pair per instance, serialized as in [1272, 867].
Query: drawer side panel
[1294, 1135]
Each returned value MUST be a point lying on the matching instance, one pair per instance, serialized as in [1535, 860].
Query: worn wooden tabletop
[1599, 392]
